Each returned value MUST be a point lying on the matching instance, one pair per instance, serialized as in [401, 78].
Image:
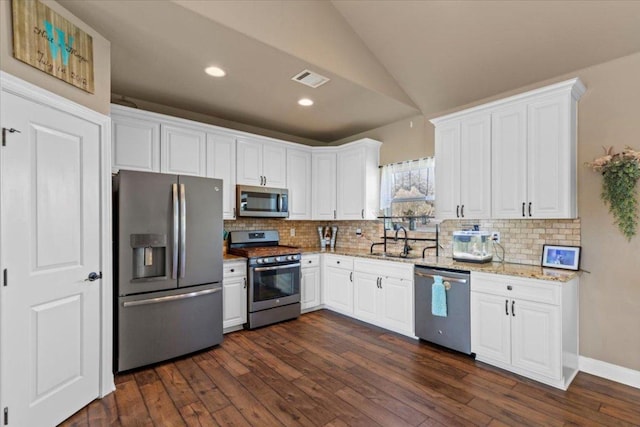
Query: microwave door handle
[183, 231]
[279, 202]
[176, 231]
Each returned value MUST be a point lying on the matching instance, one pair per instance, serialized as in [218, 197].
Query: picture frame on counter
[563, 257]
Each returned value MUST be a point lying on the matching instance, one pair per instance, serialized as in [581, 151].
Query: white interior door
[50, 218]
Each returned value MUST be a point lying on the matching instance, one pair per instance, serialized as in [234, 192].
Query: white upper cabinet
[517, 157]
[509, 161]
[261, 163]
[136, 143]
[183, 150]
[346, 181]
[475, 167]
[463, 173]
[299, 182]
[221, 163]
[534, 146]
[358, 180]
[323, 184]
[552, 157]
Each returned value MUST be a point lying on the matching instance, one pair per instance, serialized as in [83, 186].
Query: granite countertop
[231, 257]
[510, 269]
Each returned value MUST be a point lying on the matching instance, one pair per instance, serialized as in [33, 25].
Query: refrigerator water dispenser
[149, 256]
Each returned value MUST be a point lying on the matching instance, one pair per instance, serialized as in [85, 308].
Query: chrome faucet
[405, 248]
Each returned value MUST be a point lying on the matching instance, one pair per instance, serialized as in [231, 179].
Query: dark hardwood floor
[328, 370]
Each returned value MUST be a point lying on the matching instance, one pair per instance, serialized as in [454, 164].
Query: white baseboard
[610, 371]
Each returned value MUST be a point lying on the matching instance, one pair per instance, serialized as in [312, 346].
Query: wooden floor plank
[132, 410]
[197, 415]
[161, 408]
[325, 369]
[211, 397]
[250, 408]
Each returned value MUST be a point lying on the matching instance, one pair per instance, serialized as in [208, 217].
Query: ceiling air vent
[310, 79]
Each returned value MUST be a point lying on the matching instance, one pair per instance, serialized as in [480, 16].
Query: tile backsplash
[522, 239]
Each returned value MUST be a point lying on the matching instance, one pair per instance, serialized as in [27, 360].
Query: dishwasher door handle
[449, 279]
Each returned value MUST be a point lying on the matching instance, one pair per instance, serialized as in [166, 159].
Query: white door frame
[21, 88]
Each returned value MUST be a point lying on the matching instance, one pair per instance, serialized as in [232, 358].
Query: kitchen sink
[389, 255]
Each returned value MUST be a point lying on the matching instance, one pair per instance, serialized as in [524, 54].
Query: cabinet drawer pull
[506, 307]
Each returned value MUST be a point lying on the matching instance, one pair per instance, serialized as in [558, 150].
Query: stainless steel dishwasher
[452, 331]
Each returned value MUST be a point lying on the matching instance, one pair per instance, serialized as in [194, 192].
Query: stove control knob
[260, 261]
[291, 257]
[278, 259]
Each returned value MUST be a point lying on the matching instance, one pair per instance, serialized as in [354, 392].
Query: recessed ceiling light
[306, 102]
[215, 71]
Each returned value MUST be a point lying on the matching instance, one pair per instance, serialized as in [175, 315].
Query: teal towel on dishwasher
[438, 297]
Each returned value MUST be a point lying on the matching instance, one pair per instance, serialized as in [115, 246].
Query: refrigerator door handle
[183, 231]
[176, 231]
[170, 298]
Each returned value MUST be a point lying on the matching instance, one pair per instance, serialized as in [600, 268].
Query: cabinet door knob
[509, 287]
[232, 270]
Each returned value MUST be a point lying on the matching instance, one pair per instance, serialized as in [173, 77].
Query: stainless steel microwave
[262, 202]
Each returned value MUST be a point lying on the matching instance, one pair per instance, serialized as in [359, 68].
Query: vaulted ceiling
[387, 60]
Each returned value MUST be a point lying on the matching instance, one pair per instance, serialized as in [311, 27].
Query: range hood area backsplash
[522, 238]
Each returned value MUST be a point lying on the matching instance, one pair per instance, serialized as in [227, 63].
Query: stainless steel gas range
[274, 276]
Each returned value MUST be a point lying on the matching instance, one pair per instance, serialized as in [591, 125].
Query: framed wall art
[47, 41]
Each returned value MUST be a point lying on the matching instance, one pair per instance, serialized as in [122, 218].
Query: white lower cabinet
[310, 284]
[234, 295]
[383, 294]
[526, 326]
[376, 292]
[337, 277]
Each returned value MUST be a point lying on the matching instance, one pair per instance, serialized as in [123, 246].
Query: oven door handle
[277, 267]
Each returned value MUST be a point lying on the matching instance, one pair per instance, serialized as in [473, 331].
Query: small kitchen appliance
[274, 276]
[472, 246]
[263, 202]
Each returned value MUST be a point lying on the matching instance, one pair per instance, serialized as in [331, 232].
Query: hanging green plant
[620, 173]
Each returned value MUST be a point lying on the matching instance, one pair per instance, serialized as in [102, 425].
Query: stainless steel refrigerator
[167, 266]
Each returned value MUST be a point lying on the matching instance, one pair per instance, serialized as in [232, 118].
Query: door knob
[93, 276]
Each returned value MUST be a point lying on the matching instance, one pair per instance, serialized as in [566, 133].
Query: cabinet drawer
[338, 261]
[517, 287]
[234, 269]
[384, 268]
[309, 261]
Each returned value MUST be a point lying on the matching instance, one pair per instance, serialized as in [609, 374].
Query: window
[408, 188]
